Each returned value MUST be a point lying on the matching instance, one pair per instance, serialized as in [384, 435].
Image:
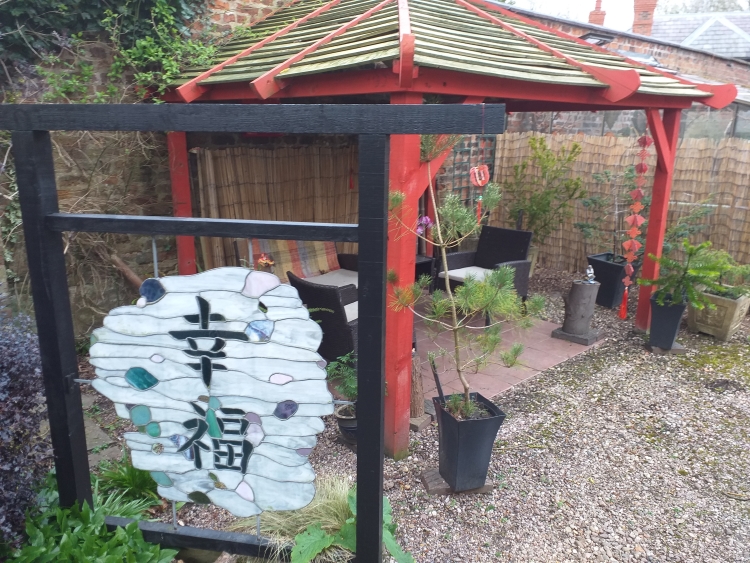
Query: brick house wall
[225, 14]
[681, 59]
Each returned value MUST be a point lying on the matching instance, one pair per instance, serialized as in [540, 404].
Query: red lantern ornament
[480, 175]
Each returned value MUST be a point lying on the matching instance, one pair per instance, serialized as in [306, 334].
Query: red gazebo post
[403, 170]
[665, 132]
[179, 171]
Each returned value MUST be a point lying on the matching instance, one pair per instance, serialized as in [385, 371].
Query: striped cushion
[302, 258]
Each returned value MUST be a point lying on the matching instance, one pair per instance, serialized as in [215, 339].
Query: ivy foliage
[31, 28]
[149, 39]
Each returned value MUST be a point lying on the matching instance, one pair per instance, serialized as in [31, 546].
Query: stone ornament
[220, 373]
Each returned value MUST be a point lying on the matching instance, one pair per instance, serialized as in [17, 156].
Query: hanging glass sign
[220, 373]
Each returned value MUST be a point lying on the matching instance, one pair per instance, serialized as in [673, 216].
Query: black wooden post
[32, 151]
[373, 225]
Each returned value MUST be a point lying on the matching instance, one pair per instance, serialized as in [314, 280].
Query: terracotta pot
[346, 417]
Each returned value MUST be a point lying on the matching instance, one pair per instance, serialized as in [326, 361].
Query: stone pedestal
[579, 309]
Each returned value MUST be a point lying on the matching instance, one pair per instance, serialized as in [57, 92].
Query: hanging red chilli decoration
[480, 175]
[635, 220]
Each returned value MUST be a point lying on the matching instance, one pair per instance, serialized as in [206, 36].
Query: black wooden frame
[43, 224]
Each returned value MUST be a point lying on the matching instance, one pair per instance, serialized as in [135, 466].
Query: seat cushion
[336, 278]
[352, 311]
[459, 274]
[302, 258]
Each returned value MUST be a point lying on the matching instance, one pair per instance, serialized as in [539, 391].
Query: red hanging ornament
[623, 314]
[635, 220]
[641, 168]
[637, 194]
[645, 141]
[480, 175]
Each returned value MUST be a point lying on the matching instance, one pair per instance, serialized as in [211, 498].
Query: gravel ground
[615, 455]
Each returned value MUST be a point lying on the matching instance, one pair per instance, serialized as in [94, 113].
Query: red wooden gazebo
[398, 51]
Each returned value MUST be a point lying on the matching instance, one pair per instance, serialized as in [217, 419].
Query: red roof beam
[192, 90]
[407, 41]
[621, 83]
[723, 94]
[266, 85]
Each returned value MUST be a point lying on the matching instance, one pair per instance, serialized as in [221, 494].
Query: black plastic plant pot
[466, 445]
[665, 323]
[346, 417]
[609, 274]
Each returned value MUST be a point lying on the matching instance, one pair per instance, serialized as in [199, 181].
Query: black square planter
[466, 445]
[665, 323]
[610, 275]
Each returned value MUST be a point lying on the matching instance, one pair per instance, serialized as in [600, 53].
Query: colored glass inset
[139, 378]
[140, 415]
[285, 410]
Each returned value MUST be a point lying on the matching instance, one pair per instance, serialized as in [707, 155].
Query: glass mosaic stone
[260, 331]
[152, 290]
[285, 410]
[139, 378]
[221, 419]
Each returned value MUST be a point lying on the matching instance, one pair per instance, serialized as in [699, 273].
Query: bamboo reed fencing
[316, 183]
[716, 172]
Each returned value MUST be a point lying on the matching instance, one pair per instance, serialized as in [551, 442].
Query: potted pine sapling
[467, 422]
[681, 283]
[729, 306]
[343, 374]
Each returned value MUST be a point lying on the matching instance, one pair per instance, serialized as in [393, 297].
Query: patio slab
[541, 352]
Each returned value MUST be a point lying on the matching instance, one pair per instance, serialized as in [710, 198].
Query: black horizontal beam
[198, 538]
[378, 119]
[192, 226]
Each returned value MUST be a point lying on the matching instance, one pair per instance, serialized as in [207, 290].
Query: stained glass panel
[227, 393]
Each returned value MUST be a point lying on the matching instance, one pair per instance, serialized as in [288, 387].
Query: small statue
[589, 275]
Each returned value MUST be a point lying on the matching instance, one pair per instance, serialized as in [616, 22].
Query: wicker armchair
[497, 247]
[339, 333]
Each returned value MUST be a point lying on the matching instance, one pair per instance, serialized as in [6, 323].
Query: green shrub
[80, 534]
[133, 483]
[343, 373]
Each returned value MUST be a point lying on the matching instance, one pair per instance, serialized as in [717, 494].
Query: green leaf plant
[542, 192]
[314, 540]
[473, 312]
[684, 281]
[79, 533]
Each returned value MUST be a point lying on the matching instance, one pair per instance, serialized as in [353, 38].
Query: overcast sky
[619, 12]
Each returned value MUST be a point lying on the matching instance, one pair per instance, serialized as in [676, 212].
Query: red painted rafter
[192, 90]
[622, 83]
[407, 42]
[515, 93]
[266, 85]
[723, 94]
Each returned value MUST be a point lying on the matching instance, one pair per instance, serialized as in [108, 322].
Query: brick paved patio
[541, 352]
